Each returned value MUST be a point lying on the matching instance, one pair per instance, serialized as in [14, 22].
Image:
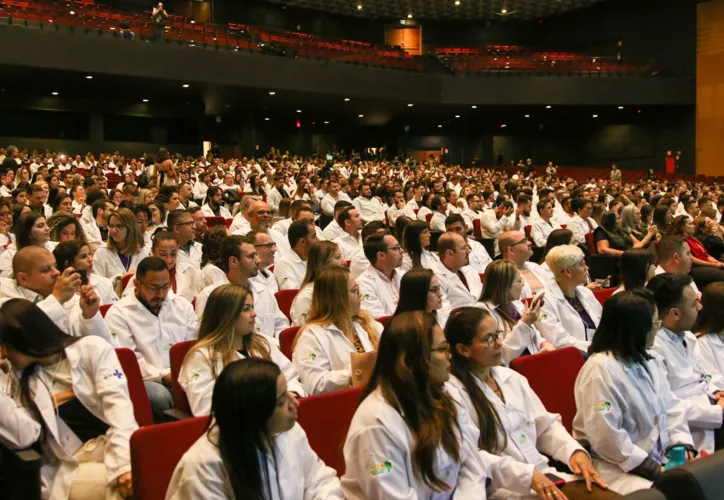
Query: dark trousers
[158, 32]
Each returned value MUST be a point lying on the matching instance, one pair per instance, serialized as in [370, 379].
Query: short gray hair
[562, 257]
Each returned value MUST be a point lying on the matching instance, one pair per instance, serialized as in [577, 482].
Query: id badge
[68, 440]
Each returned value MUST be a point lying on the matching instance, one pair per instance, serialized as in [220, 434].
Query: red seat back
[428, 218]
[476, 229]
[591, 242]
[155, 452]
[285, 299]
[603, 294]
[177, 354]
[126, 280]
[561, 366]
[286, 339]
[104, 309]
[141, 405]
[215, 221]
[528, 229]
[383, 320]
[326, 419]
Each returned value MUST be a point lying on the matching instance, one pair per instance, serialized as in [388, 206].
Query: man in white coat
[182, 224]
[458, 281]
[149, 323]
[679, 348]
[369, 207]
[96, 229]
[379, 284]
[543, 225]
[581, 223]
[415, 203]
[333, 229]
[349, 241]
[266, 249]
[290, 269]
[675, 257]
[277, 193]
[515, 247]
[479, 258]
[496, 221]
[472, 212]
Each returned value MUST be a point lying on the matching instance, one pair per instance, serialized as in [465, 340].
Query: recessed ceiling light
[72, 13]
[503, 10]
[457, 116]
[410, 105]
[474, 106]
[346, 99]
[299, 111]
[266, 119]
[527, 116]
[359, 7]
[361, 116]
[113, 29]
[185, 85]
[326, 123]
[55, 93]
[192, 45]
[503, 125]
[595, 116]
[89, 77]
[409, 16]
[439, 126]
[193, 22]
[457, 2]
[548, 107]
[620, 107]
[145, 100]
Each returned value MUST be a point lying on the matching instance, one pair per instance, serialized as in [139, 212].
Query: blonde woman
[322, 255]
[516, 321]
[124, 249]
[336, 327]
[227, 334]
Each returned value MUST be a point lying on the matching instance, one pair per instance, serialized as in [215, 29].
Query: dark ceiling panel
[445, 9]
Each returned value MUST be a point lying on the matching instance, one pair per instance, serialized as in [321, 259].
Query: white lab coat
[541, 230]
[348, 246]
[453, 289]
[208, 212]
[492, 227]
[626, 412]
[580, 228]
[68, 316]
[410, 207]
[530, 429]
[469, 216]
[322, 356]
[521, 337]
[301, 305]
[479, 257]
[290, 271]
[561, 325]
[6, 259]
[378, 295]
[428, 260]
[711, 348]
[328, 202]
[378, 459]
[273, 198]
[359, 263]
[151, 337]
[101, 387]
[107, 263]
[197, 377]
[266, 278]
[682, 366]
[270, 320]
[437, 223]
[211, 274]
[332, 230]
[370, 210]
[300, 473]
[188, 281]
[92, 233]
[240, 225]
[194, 255]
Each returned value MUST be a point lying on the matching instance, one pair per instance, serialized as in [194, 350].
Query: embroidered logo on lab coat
[604, 406]
[381, 468]
[311, 356]
[115, 373]
[283, 281]
[193, 378]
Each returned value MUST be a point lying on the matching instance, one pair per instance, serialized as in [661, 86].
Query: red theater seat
[286, 340]
[285, 299]
[136, 389]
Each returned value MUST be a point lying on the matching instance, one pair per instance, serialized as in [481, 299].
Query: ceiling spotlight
[503, 125]
[266, 119]
[474, 106]
[326, 123]
[361, 116]
[439, 126]
[457, 2]
[595, 116]
[503, 10]
[359, 6]
[89, 77]
[299, 111]
[457, 116]
[193, 22]
[620, 107]
[410, 105]
[548, 107]
[409, 16]
[527, 116]
[192, 45]
[72, 13]
[55, 93]
[185, 85]
[145, 100]
[272, 93]
[346, 99]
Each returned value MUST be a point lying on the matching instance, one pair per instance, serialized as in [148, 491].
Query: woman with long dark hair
[420, 291]
[75, 391]
[124, 248]
[77, 254]
[512, 419]
[226, 333]
[612, 240]
[211, 256]
[31, 228]
[266, 458]
[638, 266]
[416, 243]
[406, 437]
[627, 414]
[322, 255]
[709, 329]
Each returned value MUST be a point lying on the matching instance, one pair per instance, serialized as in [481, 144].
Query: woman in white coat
[185, 277]
[406, 439]
[709, 330]
[501, 296]
[570, 312]
[211, 272]
[420, 291]
[416, 243]
[510, 417]
[31, 228]
[75, 391]
[266, 458]
[77, 254]
[322, 255]
[124, 249]
[226, 334]
[626, 412]
[335, 328]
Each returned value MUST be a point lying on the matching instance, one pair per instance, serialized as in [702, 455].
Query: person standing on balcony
[157, 16]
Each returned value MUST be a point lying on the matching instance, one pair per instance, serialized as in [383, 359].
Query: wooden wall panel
[410, 38]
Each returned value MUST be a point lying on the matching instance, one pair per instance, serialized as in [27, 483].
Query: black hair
[344, 216]
[24, 227]
[608, 221]
[230, 247]
[711, 317]
[373, 244]
[66, 252]
[578, 203]
[668, 290]
[150, 264]
[211, 246]
[175, 216]
[297, 230]
[557, 238]
[635, 263]
[414, 286]
[453, 218]
[436, 202]
[626, 323]
[412, 241]
[246, 391]
[660, 217]
[372, 227]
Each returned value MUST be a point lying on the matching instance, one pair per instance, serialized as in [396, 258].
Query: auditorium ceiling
[444, 9]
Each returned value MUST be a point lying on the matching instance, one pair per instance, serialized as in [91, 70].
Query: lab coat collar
[671, 336]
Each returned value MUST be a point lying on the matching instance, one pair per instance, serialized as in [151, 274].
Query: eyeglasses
[268, 246]
[493, 338]
[442, 348]
[6, 214]
[141, 222]
[396, 248]
[435, 290]
[117, 227]
[156, 289]
[189, 223]
[520, 282]
[524, 240]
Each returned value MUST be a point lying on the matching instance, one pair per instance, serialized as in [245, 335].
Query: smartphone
[558, 481]
[83, 276]
[540, 294]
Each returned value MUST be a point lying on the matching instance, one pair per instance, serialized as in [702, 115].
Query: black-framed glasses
[268, 246]
[492, 338]
[524, 240]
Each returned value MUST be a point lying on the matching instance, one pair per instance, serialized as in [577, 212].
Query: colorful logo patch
[193, 378]
[604, 406]
[311, 356]
[381, 468]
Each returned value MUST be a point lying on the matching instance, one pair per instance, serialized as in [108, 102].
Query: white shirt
[379, 436]
[240, 225]
[437, 223]
[322, 356]
[290, 271]
[492, 227]
[479, 256]
[297, 474]
[208, 212]
[428, 260]
[711, 362]
[661, 270]
[457, 294]
[151, 337]
[332, 230]
[682, 365]
[107, 263]
[379, 294]
[193, 256]
[370, 209]
[348, 245]
[518, 339]
[541, 230]
[301, 305]
[468, 216]
[561, 325]
[580, 228]
[211, 274]
[197, 376]
[266, 278]
[410, 208]
[328, 202]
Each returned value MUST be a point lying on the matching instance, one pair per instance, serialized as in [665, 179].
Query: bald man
[516, 248]
[39, 281]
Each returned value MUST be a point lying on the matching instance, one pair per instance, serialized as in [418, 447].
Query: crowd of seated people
[283, 297]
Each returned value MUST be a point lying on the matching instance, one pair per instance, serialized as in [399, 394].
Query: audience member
[709, 329]
[77, 255]
[479, 258]
[291, 268]
[515, 247]
[380, 282]
[322, 255]
[459, 283]
[124, 249]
